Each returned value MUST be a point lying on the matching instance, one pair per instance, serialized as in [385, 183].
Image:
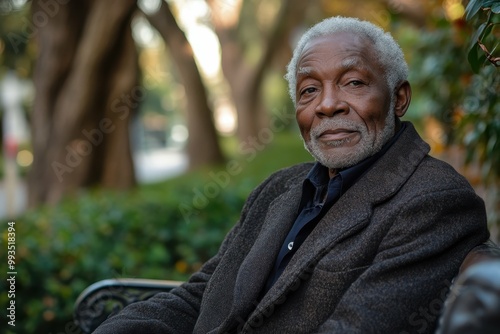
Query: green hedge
[165, 231]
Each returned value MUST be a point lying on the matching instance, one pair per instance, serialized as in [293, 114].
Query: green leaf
[495, 8]
[488, 3]
[473, 58]
[482, 58]
[475, 5]
[486, 32]
[477, 35]
[472, 8]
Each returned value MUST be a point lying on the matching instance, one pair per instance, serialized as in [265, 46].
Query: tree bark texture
[86, 81]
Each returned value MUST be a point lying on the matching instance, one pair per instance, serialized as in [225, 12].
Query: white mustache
[332, 123]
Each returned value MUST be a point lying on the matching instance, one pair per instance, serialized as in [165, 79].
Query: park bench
[472, 305]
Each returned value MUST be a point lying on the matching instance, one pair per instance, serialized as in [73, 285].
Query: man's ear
[403, 98]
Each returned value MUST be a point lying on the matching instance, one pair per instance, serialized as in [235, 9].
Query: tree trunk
[245, 79]
[203, 145]
[86, 91]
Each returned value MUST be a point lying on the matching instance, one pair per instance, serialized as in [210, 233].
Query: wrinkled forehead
[353, 50]
[348, 63]
[345, 39]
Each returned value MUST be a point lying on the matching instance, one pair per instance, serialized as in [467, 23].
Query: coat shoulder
[440, 174]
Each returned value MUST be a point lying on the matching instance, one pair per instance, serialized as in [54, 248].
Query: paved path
[19, 203]
[159, 165]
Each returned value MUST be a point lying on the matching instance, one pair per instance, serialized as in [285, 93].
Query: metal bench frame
[109, 296]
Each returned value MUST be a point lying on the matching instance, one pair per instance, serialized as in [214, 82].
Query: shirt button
[290, 245]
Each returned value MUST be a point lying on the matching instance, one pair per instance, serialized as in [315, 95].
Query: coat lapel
[342, 221]
[257, 265]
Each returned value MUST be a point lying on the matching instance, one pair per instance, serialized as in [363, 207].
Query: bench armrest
[109, 296]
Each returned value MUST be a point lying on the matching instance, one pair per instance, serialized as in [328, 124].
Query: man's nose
[331, 103]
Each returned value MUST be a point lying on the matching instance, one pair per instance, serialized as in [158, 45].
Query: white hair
[386, 49]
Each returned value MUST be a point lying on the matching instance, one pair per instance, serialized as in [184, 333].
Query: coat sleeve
[404, 288]
[176, 311]
[166, 312]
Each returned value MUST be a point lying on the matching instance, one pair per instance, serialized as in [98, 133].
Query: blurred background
[133, 130]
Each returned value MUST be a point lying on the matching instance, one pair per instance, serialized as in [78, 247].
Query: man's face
[343, 100]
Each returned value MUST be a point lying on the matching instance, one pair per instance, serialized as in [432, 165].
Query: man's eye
[355, 83]
[308, 91]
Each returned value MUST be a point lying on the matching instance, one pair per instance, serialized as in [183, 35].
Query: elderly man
[365, 240]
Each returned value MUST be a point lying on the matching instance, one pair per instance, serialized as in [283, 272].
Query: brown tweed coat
[380, 261]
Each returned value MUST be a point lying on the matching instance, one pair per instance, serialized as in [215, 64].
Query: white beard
[367, 146]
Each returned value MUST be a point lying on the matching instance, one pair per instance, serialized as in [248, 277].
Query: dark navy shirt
[319, 193]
